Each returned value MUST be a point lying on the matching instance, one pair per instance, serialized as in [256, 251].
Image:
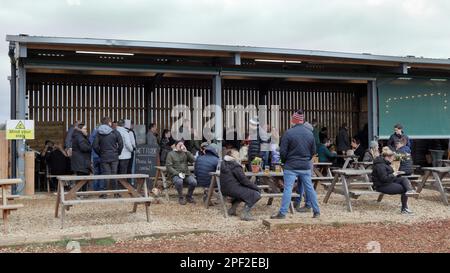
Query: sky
[387, 27]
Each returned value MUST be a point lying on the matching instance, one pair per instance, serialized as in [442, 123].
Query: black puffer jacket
[254, 149]
[233, 181]
[382, 172]
[108, 144]
[81, 152]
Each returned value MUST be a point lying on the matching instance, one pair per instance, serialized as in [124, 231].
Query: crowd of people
[110, 149]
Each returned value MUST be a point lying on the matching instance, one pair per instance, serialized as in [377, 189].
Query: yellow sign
[20, 129]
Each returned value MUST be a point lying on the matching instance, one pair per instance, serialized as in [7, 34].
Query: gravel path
[426, 237]
[36, 220]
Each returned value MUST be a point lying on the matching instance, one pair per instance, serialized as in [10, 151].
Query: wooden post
[4, 156]
[29, 173]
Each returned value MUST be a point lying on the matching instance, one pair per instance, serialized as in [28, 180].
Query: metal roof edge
[223, 48]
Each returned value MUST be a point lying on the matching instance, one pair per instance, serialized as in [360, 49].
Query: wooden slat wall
[331, 108]
[167, 95]
[85, 101]
[68, 99]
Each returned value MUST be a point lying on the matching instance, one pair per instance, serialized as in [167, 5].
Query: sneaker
[407, 211]
[116, 195]
[316, 215]
[103, 196]
[303, 209]
[411, 193]
[182, 201]
[278, 216]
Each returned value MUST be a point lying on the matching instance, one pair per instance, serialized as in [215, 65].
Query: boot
[189, 197]
[232, 210]
[246, 215]
[179, 188]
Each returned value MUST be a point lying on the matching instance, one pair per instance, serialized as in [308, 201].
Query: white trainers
[407, 211]
[411, 193]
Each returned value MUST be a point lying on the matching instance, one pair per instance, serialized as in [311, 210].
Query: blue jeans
[301, 192]
[304, 177]
[99, 185]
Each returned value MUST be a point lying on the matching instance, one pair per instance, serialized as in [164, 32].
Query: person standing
[254, 148]
[165, 146]
[108, 145]
[98, 184]
[178, 170]
[81, 152]
[296, 150]
[125, 156]
[129, 126]
[396, 136]
[316, 133]
[68, 140]
[342, 140]
[152, 135]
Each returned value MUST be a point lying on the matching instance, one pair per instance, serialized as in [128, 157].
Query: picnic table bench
[345, 176]
[445, 162]
[65, 200]
[161, 172]
[215, 182]
[5, 207]
[439, 182]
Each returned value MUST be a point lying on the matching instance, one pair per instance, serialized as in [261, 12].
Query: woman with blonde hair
[386, 181]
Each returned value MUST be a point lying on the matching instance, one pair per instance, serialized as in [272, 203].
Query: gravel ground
[37, 220]
[426, 237]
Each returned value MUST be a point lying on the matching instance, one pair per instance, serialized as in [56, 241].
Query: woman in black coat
[386, 181]
[235, 184]
[81, 152]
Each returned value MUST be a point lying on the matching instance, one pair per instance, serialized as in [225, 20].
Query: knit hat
[297, 117]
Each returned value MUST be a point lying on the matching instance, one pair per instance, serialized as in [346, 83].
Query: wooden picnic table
[345, 176]
[362, 165]
[440, 184]
[348, 159]
[161, 171]
[215, 182]
[65, 200]
[5, 207]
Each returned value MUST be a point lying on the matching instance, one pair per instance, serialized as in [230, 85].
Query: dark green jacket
[177, 162]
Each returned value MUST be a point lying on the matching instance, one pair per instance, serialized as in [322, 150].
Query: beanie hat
[297, 117]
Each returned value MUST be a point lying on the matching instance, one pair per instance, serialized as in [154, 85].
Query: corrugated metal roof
[111, 43]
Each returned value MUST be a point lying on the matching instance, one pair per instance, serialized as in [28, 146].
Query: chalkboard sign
[146, 159]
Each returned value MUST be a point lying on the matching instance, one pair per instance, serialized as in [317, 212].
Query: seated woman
[406, 164]
[325, 155]
[235, 184]
[386, 181]
[372, 152]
